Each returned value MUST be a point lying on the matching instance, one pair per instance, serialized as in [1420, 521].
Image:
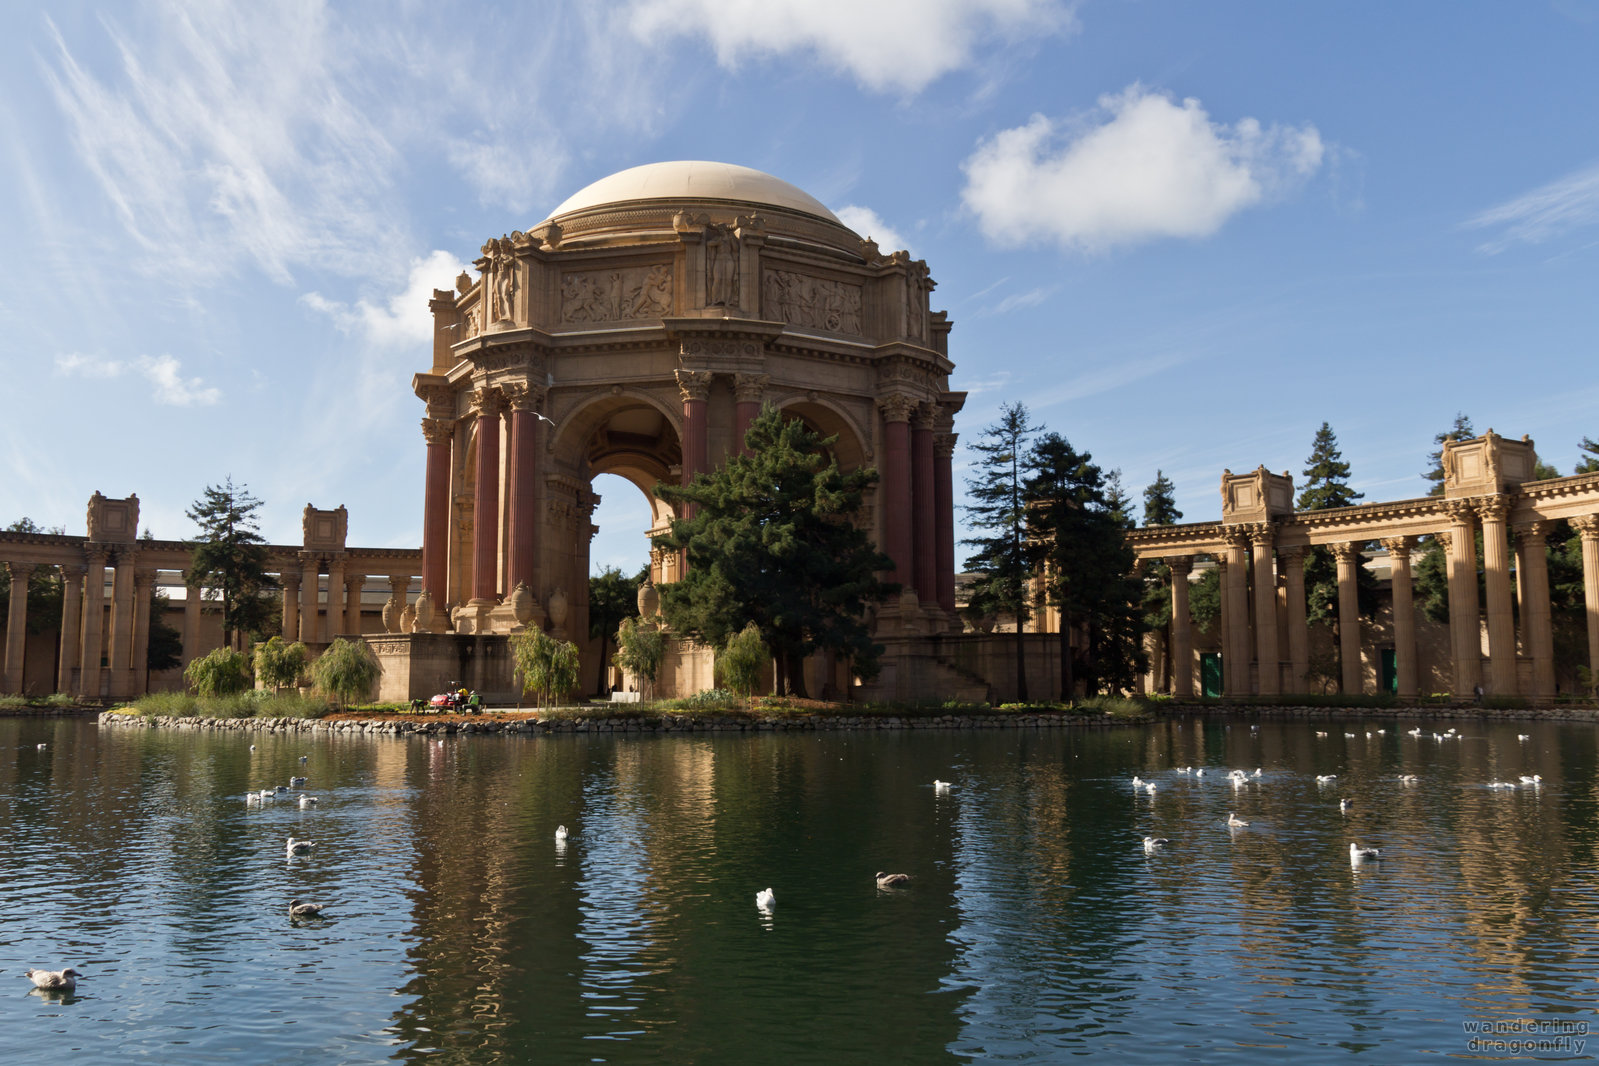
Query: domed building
[638, 331]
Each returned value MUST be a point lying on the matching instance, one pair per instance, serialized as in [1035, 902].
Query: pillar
[748, 392]
[1267, 653]
[1182, 633]
[193, 602]
[1348, 556]
[486, 504]
[121, 624]
[1293, 562]
[1588, 528]
[17, 625]
[1493, 511]
[1532, 570]
[71, 628]
[1235, 619]
[526, 473]
[139, 668]
[944, 517]
[399, 587]
[310, 567]
[924, 537]
[1465, 624]
[440, 434]
[291, 610]
[896, 492]
[695, 387]
[1224, 617]
[353, 585]
[1404, 604]
[92, 648]
[335, 616]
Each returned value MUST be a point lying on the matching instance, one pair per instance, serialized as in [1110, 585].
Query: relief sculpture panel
[814, 303]
[614, 295]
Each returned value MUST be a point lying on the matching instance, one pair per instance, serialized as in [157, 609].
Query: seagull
[54, 980]
[1523, 736]
[560, 834]
[892, 880]
[1149, 787]
[1501, 784]
[1151, 843]
[1233, 821]
[1345, 804]
[266, 794]
[1138, 782]
[1256, 773]
[281, 788]
[1408, 779]
[1322, 779]
[296, 782]
[1351, 736]
[303, 758]
[307, 801]
[1320, 733]
[252, 797]
[299, 847]
[1535, 779]
[1199, 772]
[42, 747]
[764, 900]
[1415, 732]
[940, 786]
[1358, 854]
[299, 910]
[1185, 769]
[543, 418]
[1382, 732]
[252, 747]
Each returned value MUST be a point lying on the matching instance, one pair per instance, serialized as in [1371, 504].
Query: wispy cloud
[869, 223]
[1545, 213]
[168, 385]
[1143, 166]
[1108, 378]
[888, 45]
[404, 319]
[1030, 298]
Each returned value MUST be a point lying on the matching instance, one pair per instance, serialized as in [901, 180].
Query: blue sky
[1184, 234]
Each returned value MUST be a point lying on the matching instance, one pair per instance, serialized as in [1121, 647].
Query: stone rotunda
[637, 331]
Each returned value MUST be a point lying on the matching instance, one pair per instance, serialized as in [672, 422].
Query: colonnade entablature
[1259, 549]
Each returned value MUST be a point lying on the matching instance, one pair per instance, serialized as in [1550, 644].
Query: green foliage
[738, 665]
[1587, 457]
[280, 665]
[1327, 488]
[251, 704]
[1160, 502]
[221, 673]
[347, 670]
[44, 585]
[547, 666]
[1117, 502]
[613, 596]
[1431, 564]
[998, 511]
[772, 541]
[1204, 599]
[13, 702]
[230, 559]
[165, 648]
[1077, 537]
[1326, 475]
[1434, 473]
[640, 648]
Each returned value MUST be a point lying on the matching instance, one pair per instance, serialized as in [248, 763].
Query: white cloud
[169, 387]
[405, 318]
[1142, 167]
[1546, 212]
[1030, 298]
[899, 45]
[869, 223]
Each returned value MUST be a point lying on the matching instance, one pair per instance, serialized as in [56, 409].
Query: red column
[944, 517]
[695, 385]
[486, 509]
[897, 485]
[748, 390]
[924, 537]
[524, 489]
[436, 506]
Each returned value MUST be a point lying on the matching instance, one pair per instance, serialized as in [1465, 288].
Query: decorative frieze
[617, 295]
[813, 303]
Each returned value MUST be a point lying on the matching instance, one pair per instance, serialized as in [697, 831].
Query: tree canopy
[772, 542]
[613, 596]
[998, 509]
[1160, 502]
[44, 586]
[230, 558]
[1327, 488]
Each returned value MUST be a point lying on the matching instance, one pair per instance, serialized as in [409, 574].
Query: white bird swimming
[296, 782]
[54, 980]
[42, 746]
[1415, 732]
[1523, 736]
[892, 880]
[1358, 854]
[1199, 772]
[307, 801]
[1345, 804]
[1322, 779]
[1501, 784]
[298, 909]
[281, 788]
[1149, 787]
[1319, 733]
[1535, 779]
[765, 900]
[1350, 736]
[940, 786]
[1236, 773]
[252, 797]
[1256, 773]
[560, 834]
[1152, 843]
[252, 747]
[1233, 821]
[266, 794]
[1408, 779]
[1138, 782]
[303, 758]
[299, 847]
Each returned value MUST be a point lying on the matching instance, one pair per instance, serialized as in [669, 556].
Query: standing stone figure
[505, 285]
[721, 253]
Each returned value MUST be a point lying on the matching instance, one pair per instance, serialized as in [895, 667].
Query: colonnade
[917, 472]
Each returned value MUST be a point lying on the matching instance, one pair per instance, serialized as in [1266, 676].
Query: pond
[1036, 924]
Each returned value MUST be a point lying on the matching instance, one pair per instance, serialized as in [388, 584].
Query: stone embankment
[1417, 712]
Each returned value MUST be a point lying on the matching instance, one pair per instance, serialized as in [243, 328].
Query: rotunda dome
[693, 180]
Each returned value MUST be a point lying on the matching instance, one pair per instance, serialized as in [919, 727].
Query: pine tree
[1160, 502]
[1589, 463]
[230, 559]
[1434, 473]
[1327, 488]
[1160, 509]
[1326, 475]
[771, 542]
[999, 509]
[1431, 576]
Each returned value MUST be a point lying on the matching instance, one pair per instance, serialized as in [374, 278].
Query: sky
[1183, 234]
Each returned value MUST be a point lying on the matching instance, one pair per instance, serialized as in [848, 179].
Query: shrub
[640, 649]
[221, 673]
[13, 703]
[347, 670]
[547, 666]
[739, 664]
[167, 704]
[59, 699]
[279, 665]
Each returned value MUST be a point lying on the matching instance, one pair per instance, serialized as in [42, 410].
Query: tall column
[440, 433]
[291, 610]
[1404, 604]
[1236, 591]
[1266, 650]
[944, 517]
[748, 391]
[17, 625]
[93, 645]
[71, 628]
[1182, 636]
[1532, 570]
[335, 620]
[486, 507]
[1293, 561]
[138, 669]
[193, 601]
[1465, 623]
[398, 589]
[526, 474]
[121, 623]
[1588, 528]
[310, 567]
[354, 584]
[896, 491]
[1501, 617]
[924, 538]
[1224, 615]
[695, 387]
[1348, 556]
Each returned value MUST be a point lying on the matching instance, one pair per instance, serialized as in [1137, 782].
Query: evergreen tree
[1326, 475]
[1588, 463]
[1160, 502]
[44, 586]
[1434, 473]
[613, 596]
[165, 649]
[1077, 537]
[1326, 488]
[230, 559]
[1117, 502]
[772, 542]
[1431, 575]
[999, 509]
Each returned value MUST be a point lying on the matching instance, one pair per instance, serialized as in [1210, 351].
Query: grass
[256, 703]
[57, 700]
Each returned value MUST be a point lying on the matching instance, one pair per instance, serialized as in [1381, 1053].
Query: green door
[1390, 672]
[1210, 673]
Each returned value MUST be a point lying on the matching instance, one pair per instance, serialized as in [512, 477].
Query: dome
[694, 180]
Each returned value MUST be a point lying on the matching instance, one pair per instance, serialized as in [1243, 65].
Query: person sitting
[474, 704]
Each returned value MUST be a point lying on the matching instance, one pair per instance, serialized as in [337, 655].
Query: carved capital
[944, 445]
[694, 384]
[1534, 534]
[1461, 511]
[143, 576]
[290, 582]
[896, 408]
[1260, 534]
[73, 573]
[927, 417]
[1494, 508]
[1399, 547]
[1180, 565]
[438, 430]
[1345, 552]
[487, 401]
[750, 388]
[1444, 539]
[95, 555]
[1293, 556]
[1587, 525]
[20, 571]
